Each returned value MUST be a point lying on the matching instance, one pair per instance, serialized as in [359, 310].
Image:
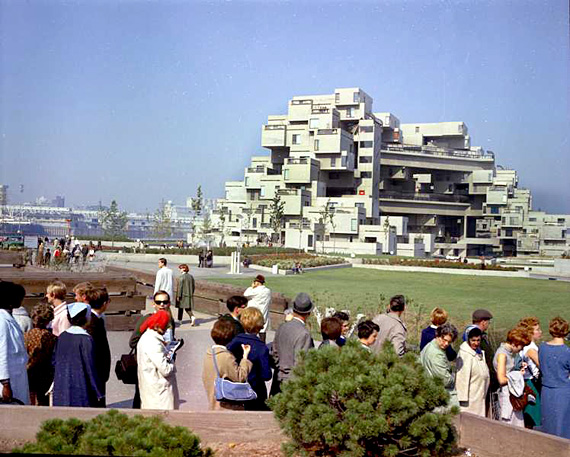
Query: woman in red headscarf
[156, 371]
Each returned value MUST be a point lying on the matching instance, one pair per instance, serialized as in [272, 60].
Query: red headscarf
[160, 318]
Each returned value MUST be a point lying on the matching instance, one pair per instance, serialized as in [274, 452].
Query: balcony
[273, 136]
[437, 151]
[424, 196]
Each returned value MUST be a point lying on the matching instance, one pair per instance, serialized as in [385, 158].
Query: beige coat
[157, 375]
[472, 380]
[229, 369]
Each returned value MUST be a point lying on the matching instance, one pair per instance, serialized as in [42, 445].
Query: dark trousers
[181, 312]
[137, 399]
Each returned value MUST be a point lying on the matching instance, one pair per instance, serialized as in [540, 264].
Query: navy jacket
[259, 356]
[428, 334]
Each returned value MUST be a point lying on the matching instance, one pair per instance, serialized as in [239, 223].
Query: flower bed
[435, 264]
[288, 261]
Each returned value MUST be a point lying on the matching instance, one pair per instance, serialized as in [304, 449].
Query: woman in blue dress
[75, 377]
[554, 358]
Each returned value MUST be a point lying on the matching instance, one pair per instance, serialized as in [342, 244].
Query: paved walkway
[188, 364]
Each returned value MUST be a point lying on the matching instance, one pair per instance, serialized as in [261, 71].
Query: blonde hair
[57, 289]
[438, 316]
[252, 320]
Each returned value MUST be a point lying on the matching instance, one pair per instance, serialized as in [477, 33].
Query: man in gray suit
[290, 338]
[391, 326]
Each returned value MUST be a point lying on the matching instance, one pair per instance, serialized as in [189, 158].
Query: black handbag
[126, 368]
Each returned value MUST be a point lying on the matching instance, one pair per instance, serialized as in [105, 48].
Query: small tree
[114, 433]
[113, 221]
[206, 229]
[162, 224]
[198, 201]
[277, 212]
[353, 403]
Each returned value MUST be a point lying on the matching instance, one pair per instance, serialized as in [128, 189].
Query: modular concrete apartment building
[357, 181]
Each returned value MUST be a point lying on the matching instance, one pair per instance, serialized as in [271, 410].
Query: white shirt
[164, 281]
[260, 298]
[532, 371]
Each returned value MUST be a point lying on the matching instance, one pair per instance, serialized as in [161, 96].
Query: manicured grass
[359, 290]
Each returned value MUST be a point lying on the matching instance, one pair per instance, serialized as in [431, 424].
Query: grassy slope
[356, 289]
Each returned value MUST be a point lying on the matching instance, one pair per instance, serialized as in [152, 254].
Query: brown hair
[438, 316]
[519, 336]
[57, 289]
[530, 322]
[97, 297]
[558, 327]
[184, 267]
[82, 288]
[223, 332]
[252, 320]
[331, 328]
[42, 315]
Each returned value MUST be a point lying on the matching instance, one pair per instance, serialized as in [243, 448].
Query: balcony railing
[302, 102]
[273, 127]
[424, 196]
[297, 161]
[437, 151]
[288, 191]
[256, 170]
[320, 109]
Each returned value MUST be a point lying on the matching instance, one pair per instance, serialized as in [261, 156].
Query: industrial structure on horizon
[357, 181]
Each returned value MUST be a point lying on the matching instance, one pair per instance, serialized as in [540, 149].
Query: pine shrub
[114, 433]
[352, 403]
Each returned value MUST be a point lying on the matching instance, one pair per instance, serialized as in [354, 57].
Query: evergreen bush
[352, 403]
[114, 433]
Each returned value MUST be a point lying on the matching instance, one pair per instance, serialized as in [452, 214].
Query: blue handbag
[227, 390]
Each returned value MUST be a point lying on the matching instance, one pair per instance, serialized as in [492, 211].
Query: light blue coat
[13, 357]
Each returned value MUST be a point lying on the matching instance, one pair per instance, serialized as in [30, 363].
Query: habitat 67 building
[358, 181]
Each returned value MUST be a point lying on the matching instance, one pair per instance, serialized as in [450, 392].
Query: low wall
[191, 260]
[210, 297]
[484, 437]
[290, 272]
[450, 271]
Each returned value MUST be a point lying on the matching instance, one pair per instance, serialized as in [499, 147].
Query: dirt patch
[258, 449]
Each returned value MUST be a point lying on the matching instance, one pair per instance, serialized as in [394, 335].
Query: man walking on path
[391, 326]
[185, 293]
[163, 279]
[290, 338]
[259, 297]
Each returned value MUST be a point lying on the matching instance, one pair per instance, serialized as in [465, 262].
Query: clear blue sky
[140, 101]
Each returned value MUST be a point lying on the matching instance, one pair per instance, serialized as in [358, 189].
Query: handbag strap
[215, 363]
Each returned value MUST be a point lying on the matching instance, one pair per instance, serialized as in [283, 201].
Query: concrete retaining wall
[450, 271]
[191, 260]
[484, 437]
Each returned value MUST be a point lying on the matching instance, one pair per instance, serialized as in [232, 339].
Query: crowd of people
[61, 356]
[65, 250]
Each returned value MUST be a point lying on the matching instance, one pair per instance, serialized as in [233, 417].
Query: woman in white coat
[156, 371]
[472, 378]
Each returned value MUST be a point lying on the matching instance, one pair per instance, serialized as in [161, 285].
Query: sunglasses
[162, 302]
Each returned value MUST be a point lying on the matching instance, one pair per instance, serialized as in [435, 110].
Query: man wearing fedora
[291, 337]
[259, 297]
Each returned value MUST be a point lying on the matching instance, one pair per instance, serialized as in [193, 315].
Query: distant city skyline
[143, 101]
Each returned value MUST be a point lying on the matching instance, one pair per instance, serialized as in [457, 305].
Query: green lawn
[359, 290]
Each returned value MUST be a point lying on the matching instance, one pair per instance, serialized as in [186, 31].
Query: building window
[333, 162]
[532, 219]
[365, 159]
[314, 123]
[316, 145]
[254, 222]
[262, 191]
[246, 181]
[337, 97]
[334, 175]
[343, 161]
[310, 241]
[366, 129]
[359, 205]
[286, 174]
[350, 112]
[296, 138]
[353, 225]
[417, 129]
[366, 174]
[366, 144]
[356, 97]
